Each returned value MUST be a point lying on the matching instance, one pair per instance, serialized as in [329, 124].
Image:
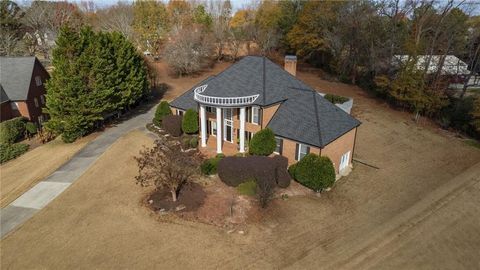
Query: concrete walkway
[32, 201]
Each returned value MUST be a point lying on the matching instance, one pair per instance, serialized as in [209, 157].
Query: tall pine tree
[94, 74]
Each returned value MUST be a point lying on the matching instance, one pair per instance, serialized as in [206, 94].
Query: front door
[228, 125]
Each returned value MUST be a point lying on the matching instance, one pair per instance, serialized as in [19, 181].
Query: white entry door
[344, 161]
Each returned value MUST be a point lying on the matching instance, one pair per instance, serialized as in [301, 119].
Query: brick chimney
[291, 64]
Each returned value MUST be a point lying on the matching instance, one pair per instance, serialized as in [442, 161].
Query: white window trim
[275, 152]
[211, 128]
[42, 99]
[257, 109]
[300, 150]
[178, 112]
[35, 100]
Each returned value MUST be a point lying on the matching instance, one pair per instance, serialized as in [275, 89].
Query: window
[42, 99]
[180, 112]
[36, 102]
[255, 115]
[213, 128]
[14, 106]
[38, 80]
[210, 109]
[302, 150]
[279, 146]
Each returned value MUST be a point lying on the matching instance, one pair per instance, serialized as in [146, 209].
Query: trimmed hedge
[163, 109]
[173, 125]
[190, 122]
[12, 130]
[234, 171]
[210, 165]
[281, 174]
[335, 99]
[11, 151]
[313, 171]
[262, 143]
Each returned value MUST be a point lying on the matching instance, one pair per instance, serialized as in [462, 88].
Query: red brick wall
[31, 111]
[340, 146]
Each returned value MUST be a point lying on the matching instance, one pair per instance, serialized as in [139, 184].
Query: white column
[219, 130]
[242, 130]
[203, 125]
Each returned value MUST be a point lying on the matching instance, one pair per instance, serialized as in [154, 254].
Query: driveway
[45, 191]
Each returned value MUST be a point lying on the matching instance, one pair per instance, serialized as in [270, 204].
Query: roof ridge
[316, 117]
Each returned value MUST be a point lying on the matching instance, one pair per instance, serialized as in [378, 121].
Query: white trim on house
[301, 154]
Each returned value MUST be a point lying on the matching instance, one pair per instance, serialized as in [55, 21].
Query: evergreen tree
[94, 74]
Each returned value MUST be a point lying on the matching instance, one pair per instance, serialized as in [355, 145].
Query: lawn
[420, 208]
[20, 174]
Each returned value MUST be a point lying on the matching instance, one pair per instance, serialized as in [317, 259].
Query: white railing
[222, 101]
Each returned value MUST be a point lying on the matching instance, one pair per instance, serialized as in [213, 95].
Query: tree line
[354, 40]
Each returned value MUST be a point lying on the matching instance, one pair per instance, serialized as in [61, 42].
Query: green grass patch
[473, 143]
[248, 188]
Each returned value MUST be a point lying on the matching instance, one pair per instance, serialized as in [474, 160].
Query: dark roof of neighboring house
[303, 115]
[3, 95]
[16, 75]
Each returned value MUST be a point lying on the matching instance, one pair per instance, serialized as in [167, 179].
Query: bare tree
[44, 20]
[166, 166]
[188, 52]
[117, 18]
[12, 29]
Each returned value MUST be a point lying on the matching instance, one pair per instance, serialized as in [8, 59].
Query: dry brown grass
[19, 175]
[99, 221]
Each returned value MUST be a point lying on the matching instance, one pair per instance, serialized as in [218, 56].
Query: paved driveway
[45, 191]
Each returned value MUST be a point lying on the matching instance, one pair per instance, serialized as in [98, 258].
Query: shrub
[265, 189]
[221, 155]
[210, 165]
[236, 170]
[163, 109]
[281, 174]
[291, 170]
[194, 142]
[315, 172]
[262, 143]
[173, 124]
[11, 151]
[190, 122]
[31, 128]
[335, 99]
[248, 188]
[12, 130]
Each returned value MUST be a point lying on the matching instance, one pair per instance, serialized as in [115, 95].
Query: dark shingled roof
[3, 95]
[303, 116]
[15, 76]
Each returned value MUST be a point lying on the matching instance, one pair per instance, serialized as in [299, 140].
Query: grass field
[418, 210]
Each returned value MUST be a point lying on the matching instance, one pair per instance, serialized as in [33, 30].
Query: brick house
[22, 88]
[256, 93]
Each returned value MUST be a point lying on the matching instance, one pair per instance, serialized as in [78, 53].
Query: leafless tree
[117, 18]
[44, 20]
[166, 166]
[188, 52]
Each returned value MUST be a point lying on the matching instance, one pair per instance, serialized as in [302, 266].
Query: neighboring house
[255, 93]
[452, 65]
[22, 86]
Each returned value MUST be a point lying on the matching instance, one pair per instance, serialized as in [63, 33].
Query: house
[452, 65]
[256, 93]
[22, 88]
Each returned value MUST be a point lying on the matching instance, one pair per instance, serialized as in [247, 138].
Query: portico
[224, 111]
